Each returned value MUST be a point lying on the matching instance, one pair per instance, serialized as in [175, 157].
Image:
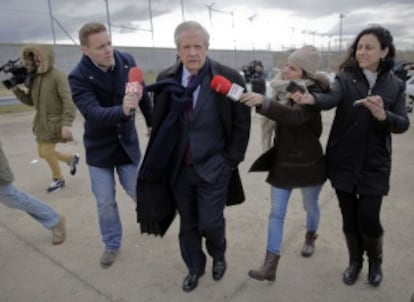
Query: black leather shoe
[219, 268]
[190, 282]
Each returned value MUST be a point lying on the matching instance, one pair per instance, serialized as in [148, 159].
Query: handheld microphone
[132, 86]
[222, 85]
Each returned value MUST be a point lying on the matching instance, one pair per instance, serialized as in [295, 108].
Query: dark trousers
[201, 206]
[360, 213]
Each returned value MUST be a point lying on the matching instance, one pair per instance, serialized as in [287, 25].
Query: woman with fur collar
[295, 159]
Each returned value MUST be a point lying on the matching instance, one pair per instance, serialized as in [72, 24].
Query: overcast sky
[242, 24]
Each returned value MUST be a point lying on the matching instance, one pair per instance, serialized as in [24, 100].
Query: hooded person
[46, 88]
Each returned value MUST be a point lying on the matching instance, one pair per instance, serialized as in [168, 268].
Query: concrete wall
[149, 59]
[155, 59]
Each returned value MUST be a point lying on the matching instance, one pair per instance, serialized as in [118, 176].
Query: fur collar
[43, 52]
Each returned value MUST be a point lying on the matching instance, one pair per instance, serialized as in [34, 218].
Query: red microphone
[134, 80]
[222, 85]
[133, 84]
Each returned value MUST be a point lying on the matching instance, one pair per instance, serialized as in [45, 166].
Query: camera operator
[47, 89]
[258, 78]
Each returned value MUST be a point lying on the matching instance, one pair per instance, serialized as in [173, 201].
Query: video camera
[18, 71]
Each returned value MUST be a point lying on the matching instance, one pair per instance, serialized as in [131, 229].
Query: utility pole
[210, 8]
[108, 18]
[293, 37]
[182, 10]
[152, 26]
[234, 30]
[313, 33]
[210, 15]
[341, 17]
[234, 38]
[251, 19]
[51, 22]
[231, 13]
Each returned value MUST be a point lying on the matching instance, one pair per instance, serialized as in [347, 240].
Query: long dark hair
[385, 39]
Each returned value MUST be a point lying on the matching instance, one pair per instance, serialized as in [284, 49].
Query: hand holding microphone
[235, 92]
[133, 91]
[252, 99]
[302, 98]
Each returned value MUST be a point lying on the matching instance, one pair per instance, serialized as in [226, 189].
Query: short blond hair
[90, 29]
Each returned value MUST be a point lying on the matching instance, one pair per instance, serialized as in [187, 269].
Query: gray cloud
[28, 20]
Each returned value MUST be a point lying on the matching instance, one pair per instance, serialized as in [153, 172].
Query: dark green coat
[49, 94]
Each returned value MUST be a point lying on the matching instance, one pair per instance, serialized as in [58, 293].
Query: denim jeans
[40, 211]
[103, 187]
[279, 202]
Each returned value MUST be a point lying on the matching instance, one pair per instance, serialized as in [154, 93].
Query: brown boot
[59, 231]
[268, 269]
[309, 245]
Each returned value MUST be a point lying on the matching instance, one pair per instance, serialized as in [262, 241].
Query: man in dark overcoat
[191, 163]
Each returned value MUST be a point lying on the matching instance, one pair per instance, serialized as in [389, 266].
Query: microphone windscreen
[135, 75]
[220, 84]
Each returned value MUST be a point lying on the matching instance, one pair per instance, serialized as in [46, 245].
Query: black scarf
[157, 157]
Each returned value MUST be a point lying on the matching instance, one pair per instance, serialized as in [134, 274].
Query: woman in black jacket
[370, 105]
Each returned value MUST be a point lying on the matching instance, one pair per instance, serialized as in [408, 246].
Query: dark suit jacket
[235, 118]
